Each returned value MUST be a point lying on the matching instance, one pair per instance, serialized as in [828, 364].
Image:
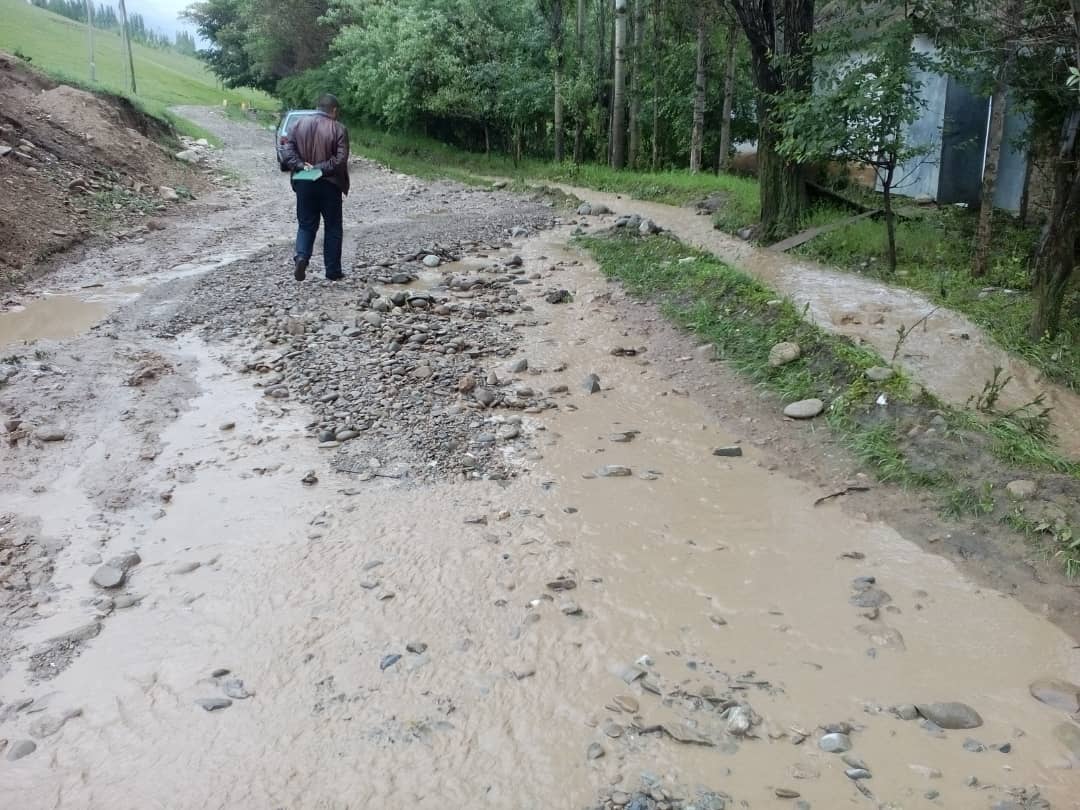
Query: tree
[866, 95]
[618, 97]
[697, 131]
[778, 38]
[724, 160]
[553, 13]
[638, 19]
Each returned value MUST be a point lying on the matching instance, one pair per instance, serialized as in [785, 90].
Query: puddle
[947, 353]
[51, 318]
[303, 592]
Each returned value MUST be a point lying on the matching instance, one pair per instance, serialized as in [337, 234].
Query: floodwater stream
[946, 352]
[720, 571]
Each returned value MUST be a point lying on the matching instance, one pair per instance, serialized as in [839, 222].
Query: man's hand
[308, 167]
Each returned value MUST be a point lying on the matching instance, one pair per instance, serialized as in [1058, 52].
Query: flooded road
[946, 353]
[404, 644]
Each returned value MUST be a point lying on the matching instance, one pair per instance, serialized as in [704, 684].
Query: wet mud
[550, 640]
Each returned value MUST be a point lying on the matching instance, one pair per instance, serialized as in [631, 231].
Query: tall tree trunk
[657, 39]
[603, 62]
[634, 149]
[579, 124]
[557, 45]
[1058, 253]
[697, 131]
[724, 162]
[783, 190]
[890, 216]
[998, 104]
[618, 96]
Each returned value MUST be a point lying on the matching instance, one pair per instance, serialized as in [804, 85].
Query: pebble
[870, 598]
[50, 433]
[416, 647]
[591, 384]
[906, 711]
[234, 688]
[613, 729]
[227, 426]
[614, 471]
[214, 703]
[595, 751]
[857, 773]
[185, 568]
[879, 373]
[785, 793]
[1021, 490]
[20, 749]
[835, 743]
[733, 451]
[389, 660]
[804, 409]
[627, 703]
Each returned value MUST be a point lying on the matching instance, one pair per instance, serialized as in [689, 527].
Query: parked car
[288, 121]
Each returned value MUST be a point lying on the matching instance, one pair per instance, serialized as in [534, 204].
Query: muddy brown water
[947, 353]
[281, 598]
[303, 591]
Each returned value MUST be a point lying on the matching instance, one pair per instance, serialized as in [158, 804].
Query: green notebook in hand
[308, 174]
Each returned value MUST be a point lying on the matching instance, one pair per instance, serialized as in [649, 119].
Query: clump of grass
[969, 501]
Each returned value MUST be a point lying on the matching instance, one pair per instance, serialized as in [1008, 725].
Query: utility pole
[90, 36]
[127, 44]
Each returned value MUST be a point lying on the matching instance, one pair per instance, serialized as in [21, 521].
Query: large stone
[50, 433]
[591, 384]
[783, 353]
[879, 373]
[804, 409]
[188, 156]
[168, 194]
[126, 561]
[951, 715]
[108, 576]
[1059, 694]
[1021, 489]
[835, 743]
[431, 260]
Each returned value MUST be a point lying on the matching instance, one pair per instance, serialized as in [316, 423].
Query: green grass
[744, 319]
[428, 158]
[58, 47]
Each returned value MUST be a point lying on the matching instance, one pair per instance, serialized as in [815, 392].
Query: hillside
[58, 46]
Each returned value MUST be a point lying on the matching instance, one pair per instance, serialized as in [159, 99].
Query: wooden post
[127, 44]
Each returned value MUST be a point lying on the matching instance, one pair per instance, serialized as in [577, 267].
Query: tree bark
[890, 216]
[998, 104]
[697, 131]
[618, 96]
[783, 191]
[557, 45]
[602, 72]
[724, 163]
[1058, 252]
[638, 19]
[579, 124]
[657, 39]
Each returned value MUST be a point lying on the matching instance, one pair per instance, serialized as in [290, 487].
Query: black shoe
[338, 277]
[300, 264]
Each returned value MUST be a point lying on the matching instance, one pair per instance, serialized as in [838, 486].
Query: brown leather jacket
[324, 143]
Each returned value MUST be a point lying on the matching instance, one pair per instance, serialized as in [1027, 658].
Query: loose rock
[804, 409]
[783, 353]
[950, 715]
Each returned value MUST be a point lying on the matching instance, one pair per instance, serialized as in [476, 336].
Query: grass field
[58, 46]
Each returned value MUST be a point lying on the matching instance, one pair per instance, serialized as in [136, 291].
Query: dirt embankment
[73, 163]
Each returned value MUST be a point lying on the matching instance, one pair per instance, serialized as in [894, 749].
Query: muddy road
[403, 556]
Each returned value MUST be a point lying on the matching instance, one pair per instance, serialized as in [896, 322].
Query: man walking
[320, 142]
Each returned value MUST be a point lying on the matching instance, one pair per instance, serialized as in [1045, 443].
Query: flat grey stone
[835, 743]
[804, 409]
[20, 749]
[879, 373]
[951, 715]
[108, 576]
[1059, 694]
[213, 704]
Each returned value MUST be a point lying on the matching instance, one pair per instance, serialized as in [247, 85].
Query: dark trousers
[314, 199]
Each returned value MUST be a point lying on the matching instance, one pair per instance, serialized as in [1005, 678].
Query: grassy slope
[164, 78]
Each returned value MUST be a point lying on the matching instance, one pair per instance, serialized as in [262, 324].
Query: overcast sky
[161, 15]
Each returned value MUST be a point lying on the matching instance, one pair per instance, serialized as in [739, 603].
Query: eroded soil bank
[419, 560]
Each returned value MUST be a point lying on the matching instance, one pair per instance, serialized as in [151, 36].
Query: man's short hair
[328, 103]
